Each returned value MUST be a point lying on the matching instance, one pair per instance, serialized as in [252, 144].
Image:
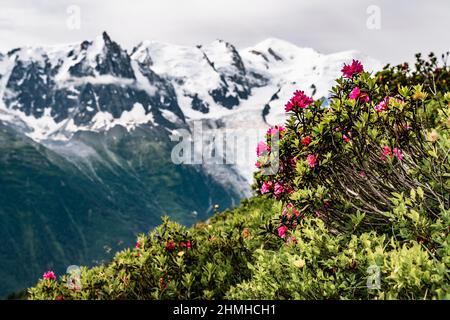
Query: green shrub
[163, 268]
[347, 162]
[319, 265]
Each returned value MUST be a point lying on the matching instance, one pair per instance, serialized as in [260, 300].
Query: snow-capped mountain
[50, 93]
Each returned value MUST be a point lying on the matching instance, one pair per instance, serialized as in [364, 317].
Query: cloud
[407, 26]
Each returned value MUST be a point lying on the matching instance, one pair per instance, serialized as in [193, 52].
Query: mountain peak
[106, 37]
[280, 46]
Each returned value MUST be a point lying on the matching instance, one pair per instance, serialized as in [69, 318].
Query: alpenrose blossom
[138, 245]
[290, 210]
[388, 152]
[299, 101]
[306, 141]
[398, 154]
[293, 162]
[356, 93]
[278, 189]
[266, 186]
[186, 244]
[282, 231]
[276, 129]
[262, 148]
[383, 105]
[49, 275]
[170, 245]
[355, 67]
[312, 160]
[364, 97]
[345, 138]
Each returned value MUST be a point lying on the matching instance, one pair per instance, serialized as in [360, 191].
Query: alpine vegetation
[358, 207]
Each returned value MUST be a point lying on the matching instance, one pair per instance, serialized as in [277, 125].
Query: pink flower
[383, 105]
[290, 210]
[49, 275]
[345, 138]
[138, 245]
[278, 189]
[354, 94]
[298, 101]
[170, 245]
[186, 244]
[282, 231]
[292, 239]
[362, 174]
[266, 186]
[293, 162]
[257, 164]
[312, 160]
[275, 130]
[306, 141]
[349, 70]
[364, 97]
[262, 148]
[398, 154]
[386, 152]
[288, 106]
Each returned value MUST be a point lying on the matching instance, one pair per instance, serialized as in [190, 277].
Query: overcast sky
[387, 30]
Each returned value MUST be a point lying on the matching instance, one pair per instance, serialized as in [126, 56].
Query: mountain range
[86, 139]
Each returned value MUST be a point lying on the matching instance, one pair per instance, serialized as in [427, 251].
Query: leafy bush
[319, 265]
[349, 162]
[361, 195]
[173, 262]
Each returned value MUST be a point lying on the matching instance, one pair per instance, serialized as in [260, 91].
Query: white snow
[128, 119]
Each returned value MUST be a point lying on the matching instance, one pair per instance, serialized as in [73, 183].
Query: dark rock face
[235, 84]
[32, 86]
[275, 55]
[199, 105]
[112, 60]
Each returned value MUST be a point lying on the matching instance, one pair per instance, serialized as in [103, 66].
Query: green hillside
[57, 211]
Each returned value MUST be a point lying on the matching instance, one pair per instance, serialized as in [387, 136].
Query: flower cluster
[312, 160]
[278, 129]
[383, 105]
[170, 245]
[356, 93]
[262, 148]
[388, 152]
[49, 275]
[290, 218]
[299, 101]
[354, 68]
[306, 141]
